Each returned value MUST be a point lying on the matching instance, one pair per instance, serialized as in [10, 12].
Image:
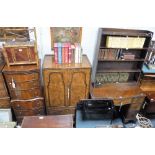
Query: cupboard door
[78, 86]
[55, 88]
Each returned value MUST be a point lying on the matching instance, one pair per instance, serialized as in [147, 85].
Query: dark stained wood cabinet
[65, 84]
[25, 90]
[120, 54]
[4, 97]
[128, 98]
[117, 68]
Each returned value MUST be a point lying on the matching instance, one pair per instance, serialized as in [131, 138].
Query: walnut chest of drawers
[65, 84]
[25, 90]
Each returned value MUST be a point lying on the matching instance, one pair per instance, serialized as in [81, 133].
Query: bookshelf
[120, 55]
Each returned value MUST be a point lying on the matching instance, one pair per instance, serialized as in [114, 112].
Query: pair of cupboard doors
[65, 85]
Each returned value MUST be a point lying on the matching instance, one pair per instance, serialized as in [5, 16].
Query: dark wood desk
[52, 121]
[120, 93]
[128, 97]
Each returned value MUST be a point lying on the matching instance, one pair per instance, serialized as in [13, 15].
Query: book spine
[73, 56]
[76, 54]
[66, 54]
[79, 54]
[69, 54]
[56, 55]
[59, 53]
[63, 53]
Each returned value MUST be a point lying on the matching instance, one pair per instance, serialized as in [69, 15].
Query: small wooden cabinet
[4, 97]
[18, 53]
[65, 84]
[25, 90]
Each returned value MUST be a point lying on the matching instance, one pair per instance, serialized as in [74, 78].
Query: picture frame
[65, 34]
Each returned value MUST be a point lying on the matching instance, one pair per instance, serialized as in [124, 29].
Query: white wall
[89, 38]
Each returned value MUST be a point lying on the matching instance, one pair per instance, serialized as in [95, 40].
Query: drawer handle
[13, 83]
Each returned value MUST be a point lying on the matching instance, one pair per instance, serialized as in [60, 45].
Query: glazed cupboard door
[55, 86]
[78, 87]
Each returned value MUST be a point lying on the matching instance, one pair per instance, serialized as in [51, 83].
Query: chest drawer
[1, 77]
[28, 104]
[21, 77]
[2, 86]
[25, 94]
[24, 85]
[22, 113]
[5, 102]
[3, 93]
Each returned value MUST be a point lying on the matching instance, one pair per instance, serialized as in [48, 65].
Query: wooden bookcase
[119, 56]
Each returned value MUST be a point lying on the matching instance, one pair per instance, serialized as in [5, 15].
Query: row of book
[115, 54]
[125, 42]
[67, 53]
[102, 78]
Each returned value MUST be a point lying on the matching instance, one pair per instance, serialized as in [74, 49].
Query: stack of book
[67, 53]
[115, 54]
[128, 56]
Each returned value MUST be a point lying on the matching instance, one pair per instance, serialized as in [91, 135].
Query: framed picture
[66, 34]
[5, 115]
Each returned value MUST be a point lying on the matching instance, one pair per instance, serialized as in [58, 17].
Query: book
[80, 54]
[73, 54]
[55, 53]
[70, 54]
[76, 53]
[63, 53]
[59, 53]
[66, 47]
